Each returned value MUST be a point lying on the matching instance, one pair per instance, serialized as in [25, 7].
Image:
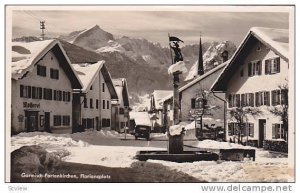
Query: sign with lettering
[31, 105]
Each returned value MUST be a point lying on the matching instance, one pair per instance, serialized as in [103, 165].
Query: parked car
[142, 131]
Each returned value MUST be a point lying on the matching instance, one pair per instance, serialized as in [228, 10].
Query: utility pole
[42, 27]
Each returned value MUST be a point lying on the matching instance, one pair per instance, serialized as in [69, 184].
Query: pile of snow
[177, 67]
[50, 142]
[211, 144]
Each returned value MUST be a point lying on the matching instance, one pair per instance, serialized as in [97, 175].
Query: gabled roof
[121, 87]
[195, 81]
[275, 39]
[88, 72]
[158, 95]
[25, 55]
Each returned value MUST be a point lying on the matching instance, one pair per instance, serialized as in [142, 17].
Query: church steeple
[200, 60]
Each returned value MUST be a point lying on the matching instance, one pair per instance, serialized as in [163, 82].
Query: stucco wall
[245, 84]
[52, 106]
[192, 91]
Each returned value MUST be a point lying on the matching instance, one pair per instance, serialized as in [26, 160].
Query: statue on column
[174, 44]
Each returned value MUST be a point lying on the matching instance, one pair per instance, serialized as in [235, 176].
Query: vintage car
[142, 131]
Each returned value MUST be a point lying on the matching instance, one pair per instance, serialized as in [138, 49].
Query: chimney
[225, 56]
[200, 60]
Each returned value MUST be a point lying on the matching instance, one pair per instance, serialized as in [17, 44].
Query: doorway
[47, 121]
[262, 130]
[32, 121]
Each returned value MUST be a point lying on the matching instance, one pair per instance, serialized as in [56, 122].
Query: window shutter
[252, 99]
[238, 100]
[267, 67]
[274, 131]
[249, 69]
[242, 100]
[278, 65]
[259, 67]
[230, 129]
[284, 96]
[193, 103]
[21, 90]
[251, 129]
[257, 99]
[268, 98]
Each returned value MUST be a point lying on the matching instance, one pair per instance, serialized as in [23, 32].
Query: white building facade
[256, 79]
[93, 101]
[42, 83]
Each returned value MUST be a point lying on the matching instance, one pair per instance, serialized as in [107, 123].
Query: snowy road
[110, 149]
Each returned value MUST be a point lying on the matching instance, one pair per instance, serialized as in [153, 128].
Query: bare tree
[240, 114]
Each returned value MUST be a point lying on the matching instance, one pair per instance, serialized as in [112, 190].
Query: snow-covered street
[120, 153]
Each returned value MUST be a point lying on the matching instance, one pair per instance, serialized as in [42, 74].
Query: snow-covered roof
[26, 54]
[140, 118]
[195, 81]
[275, 39]
[121, 87]
[158, 95]
[87, 73]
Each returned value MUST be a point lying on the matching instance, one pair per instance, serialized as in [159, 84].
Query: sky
[153, 25]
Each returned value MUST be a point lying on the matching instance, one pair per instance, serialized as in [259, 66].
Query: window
[91, 87]
[103, 87]
[197, 103]
[254, 68]
[193, 103]
[64, 96]
[251, 129]
[84, 123]
[26, 92]
[242, 73]
[90, 123]
[278, 131]
[103, 104]
[279, 97]
[272, 66]
[85, 102]
[68, 96]
[47, 94]
[37, 92]
[57, 120]
[105, 122]
[66, 120]
[91, 104]
[121, 111]
[107, 102]
[60, 95]
[41, 70]
[54, 73]
[97, 104]
[262, 98]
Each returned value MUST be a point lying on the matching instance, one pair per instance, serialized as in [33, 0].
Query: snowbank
[177, 67]
[211, 144]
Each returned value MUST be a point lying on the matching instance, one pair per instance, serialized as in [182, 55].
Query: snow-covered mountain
[212, 57]
[138, 49]
[90, 39]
